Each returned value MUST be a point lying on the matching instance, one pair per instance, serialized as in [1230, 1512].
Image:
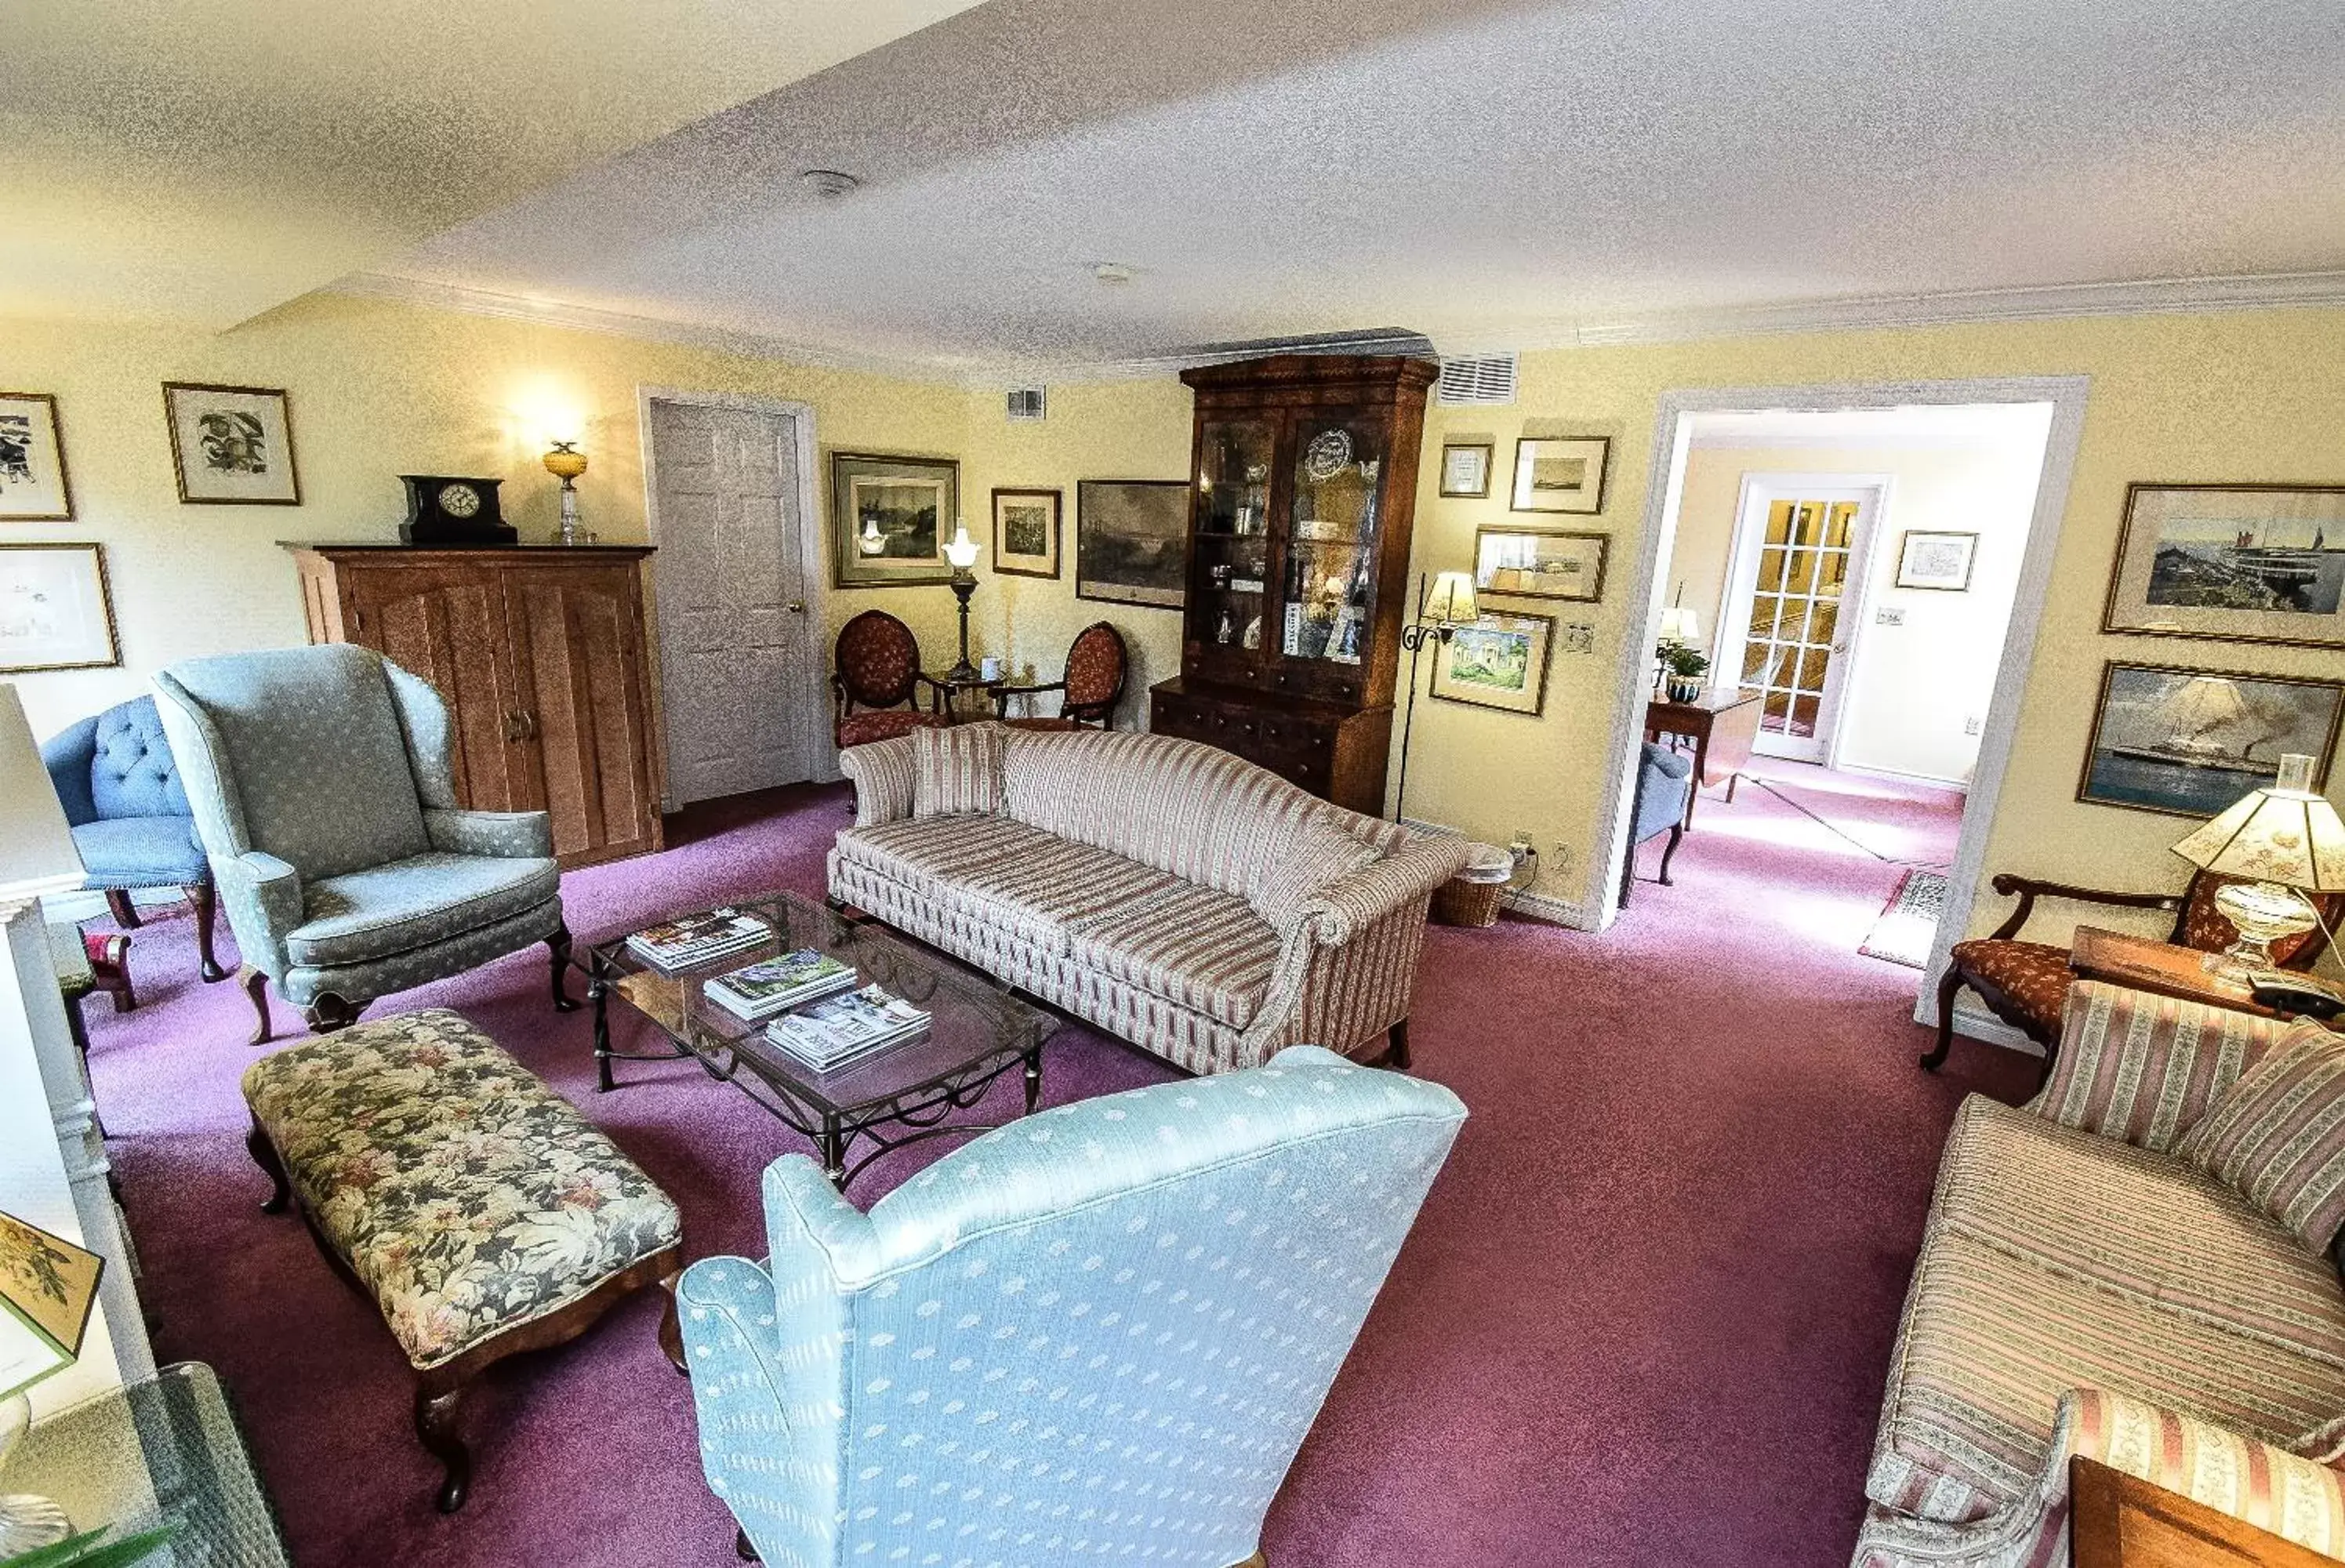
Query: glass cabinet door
[1229, 580]
[1327, 585]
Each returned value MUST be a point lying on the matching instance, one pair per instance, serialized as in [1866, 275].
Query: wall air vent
[1027, 404]
[1477, 379]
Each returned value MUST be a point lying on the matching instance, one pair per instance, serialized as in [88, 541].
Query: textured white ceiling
[1488, 173]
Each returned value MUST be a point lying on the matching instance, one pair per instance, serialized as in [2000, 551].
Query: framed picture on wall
[232, 446]
[33, 485]
[1465, 469]
[1940, 562]
[2190, 743]
[1132, 542]
[1025, 532]
[2235, 563]
[55, 611]
[1531, 565]
[890, 518]
[1560, 474]
[1499, 661]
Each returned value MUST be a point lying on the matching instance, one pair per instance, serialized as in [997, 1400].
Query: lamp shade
[962, 552]
[47, 1286]
[1450, 600]
[565, 461]
[1681, 625]
[2284, 833]
[37, 847]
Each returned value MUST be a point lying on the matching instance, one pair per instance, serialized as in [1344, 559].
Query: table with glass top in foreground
[861, 1109]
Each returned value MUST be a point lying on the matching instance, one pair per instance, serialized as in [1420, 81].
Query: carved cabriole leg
[1396, 1051]
[256, 985]
[125, 914]
[435, 1425]
[1936, 1057]
[264, 1154]
[332, 1011]
[205, 902]
[1677, 833]
[558, 945]
[742, 1549]
[671, 1328]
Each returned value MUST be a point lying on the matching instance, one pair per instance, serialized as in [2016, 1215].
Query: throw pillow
[1319, 855]
[2278, 1135]
[957, 770]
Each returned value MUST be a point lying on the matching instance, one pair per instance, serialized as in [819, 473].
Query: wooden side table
[2161, 968]
[2120, 1521]
[947, 696]
[1723, 725]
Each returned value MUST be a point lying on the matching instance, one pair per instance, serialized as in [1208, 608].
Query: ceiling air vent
[1027, 404]
[1483, 378]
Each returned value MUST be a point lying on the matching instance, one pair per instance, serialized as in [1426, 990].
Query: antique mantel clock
[442, 508]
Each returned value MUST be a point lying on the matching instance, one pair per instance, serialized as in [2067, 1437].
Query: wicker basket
[1471, 897]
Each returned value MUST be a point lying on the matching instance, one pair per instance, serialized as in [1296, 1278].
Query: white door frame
[1633, 661]
[1758, 490]
[822, 751]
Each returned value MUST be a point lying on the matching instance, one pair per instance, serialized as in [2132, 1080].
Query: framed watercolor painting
[2234, 562]
[1530, 565]
[33, 483]
[1465, 469]
[891, 518]
[1499, 661]
[1939, 561]
[55, 610]
[1560, 474]
[2190, 743]
[232, 446]
[1132, 542]
[1025, 532]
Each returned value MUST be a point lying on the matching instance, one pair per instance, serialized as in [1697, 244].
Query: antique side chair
[876, 681]
[1097, 666]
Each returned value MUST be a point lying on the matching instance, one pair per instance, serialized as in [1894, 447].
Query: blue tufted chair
[1664, 785]
[1098, 1334]
[322, 789]
[129, 814]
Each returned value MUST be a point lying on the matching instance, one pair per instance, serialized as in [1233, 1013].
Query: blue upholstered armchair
[1664, 784]
[1098, 1334]
[322, 789]
[130, 817]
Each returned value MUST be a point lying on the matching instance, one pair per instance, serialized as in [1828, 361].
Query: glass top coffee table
[897, 1095]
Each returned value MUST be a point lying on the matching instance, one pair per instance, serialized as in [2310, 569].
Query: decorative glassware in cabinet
[1229, 576]
[1329, 583]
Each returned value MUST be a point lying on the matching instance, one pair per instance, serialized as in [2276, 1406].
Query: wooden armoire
[1303, 493]
[539, 652]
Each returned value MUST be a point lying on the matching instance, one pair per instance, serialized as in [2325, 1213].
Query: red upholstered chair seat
[861, 729]
[2032, 977]
[1050, 723]
[1096, 667]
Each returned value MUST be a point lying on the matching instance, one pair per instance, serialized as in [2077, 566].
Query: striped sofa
[2086, 1288]
[1112, 881]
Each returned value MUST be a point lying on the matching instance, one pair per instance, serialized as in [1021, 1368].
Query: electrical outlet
[1889, 616]
[1973, 725]
[1562, 856]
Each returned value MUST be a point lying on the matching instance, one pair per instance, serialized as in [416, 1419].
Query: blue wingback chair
[322, 789]
[1664, 784]
[129, 814]
[1098, 1334]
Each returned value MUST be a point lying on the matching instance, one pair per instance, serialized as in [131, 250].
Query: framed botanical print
[2235, 563]
[32, 484]
[2190, 743]
[232, 446]
[1465, 469]
[1025, 532]
[1132, 542]
[1560, 474]
[1936, 561]
[1499, 661]
[890, 518]
[1532, 565]
[55, 611]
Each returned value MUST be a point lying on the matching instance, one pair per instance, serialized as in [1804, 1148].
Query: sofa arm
[494, 835]
[2144, 1069]
[882, 772]
[263, 898]
[1383, 889]
[68, 757]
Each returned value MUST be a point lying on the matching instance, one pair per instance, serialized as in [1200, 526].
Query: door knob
[795, 607]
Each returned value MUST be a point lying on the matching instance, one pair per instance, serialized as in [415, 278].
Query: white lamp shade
[962, 552]
[37, 847]
[1450, 600]
[2292, 837]
[1681, 625]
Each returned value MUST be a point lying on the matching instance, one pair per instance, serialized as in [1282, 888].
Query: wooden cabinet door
[575, 633]
[447, 624]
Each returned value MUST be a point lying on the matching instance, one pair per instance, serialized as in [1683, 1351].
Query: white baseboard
[1974, 1023]
[1521, 900]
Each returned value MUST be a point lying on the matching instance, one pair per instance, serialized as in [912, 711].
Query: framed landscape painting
[54, 611]
[232, 446]
[1499, 661]
[2236, 562]
[1560, 474]
[1132, 542]
[1941, 562]
[1025, 532]
[33, 486]
[1529, 565]
[2190, 743]
[891, 518]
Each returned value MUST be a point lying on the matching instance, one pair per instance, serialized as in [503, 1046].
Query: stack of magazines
[773, 986]
[697, 939]
[843, 1028]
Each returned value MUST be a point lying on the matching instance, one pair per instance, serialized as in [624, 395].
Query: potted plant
[1686, 666]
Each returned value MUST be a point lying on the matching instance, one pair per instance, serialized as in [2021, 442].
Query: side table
[1723, 725]
[2120, 1521]
[947, 690]
[2161, 968]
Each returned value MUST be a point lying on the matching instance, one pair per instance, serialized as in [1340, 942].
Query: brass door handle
[795, 607]
[512, 726]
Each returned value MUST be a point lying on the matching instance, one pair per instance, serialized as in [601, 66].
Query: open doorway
[1862, 568]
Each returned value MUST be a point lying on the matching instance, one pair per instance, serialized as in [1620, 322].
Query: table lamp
[2285, 841]
[37, 847]
[1443, 607]
[566, 463]
[961, 554]
[1681, 625]
[47, 1288]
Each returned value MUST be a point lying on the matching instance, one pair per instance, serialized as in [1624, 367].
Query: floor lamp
[1440, 611]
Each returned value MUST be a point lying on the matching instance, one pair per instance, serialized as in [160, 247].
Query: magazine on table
[695, 939]
[840, 1029]
[773, 986]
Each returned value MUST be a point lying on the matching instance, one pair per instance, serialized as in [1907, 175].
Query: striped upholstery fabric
[2278, 1134]
[2144, 1068]
[882, 772]
[1317, 855]
[1049, 893]
[1202, 950]
[925, 849]
[957, 770]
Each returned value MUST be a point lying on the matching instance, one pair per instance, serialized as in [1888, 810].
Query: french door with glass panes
[1791, 617]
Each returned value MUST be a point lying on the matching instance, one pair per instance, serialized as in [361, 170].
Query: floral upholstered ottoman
[482, 1212]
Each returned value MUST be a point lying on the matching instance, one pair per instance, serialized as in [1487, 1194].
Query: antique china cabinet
[1304, 480]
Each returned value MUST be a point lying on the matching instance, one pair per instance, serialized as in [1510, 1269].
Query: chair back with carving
[2202, 927]
[1096, 666]
[876, 662]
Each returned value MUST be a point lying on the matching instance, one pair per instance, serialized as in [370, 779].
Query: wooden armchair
[876, 668]
[1097, 663]
[2026, 984]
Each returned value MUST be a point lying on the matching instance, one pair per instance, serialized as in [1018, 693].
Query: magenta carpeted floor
[1644, 1318]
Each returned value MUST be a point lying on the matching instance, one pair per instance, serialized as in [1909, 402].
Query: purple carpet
[1644, 1318]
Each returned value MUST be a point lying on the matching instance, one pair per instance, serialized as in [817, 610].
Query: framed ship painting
[1132, 542]
[2236, 562]
[2190, 743]
[1499, 661]
[889, 519]
[1529, 565]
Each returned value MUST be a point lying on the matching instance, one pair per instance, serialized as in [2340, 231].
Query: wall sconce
[566, 463]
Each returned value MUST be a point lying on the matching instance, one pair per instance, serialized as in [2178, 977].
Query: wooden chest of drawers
[1333, 751]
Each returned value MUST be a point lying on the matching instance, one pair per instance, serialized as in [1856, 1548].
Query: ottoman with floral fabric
[479, 1210]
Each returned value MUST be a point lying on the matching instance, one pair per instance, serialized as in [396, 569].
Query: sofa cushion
[2144, 1068]
[2278, 1135]
[141, 851]
[1206, 951]
[957, 770]
[363, 915]
[1045, 894]
[1318, 855]
[916, 851]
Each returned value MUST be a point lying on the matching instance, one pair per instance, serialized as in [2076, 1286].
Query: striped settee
[2086, 1288]
[1113, 882]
